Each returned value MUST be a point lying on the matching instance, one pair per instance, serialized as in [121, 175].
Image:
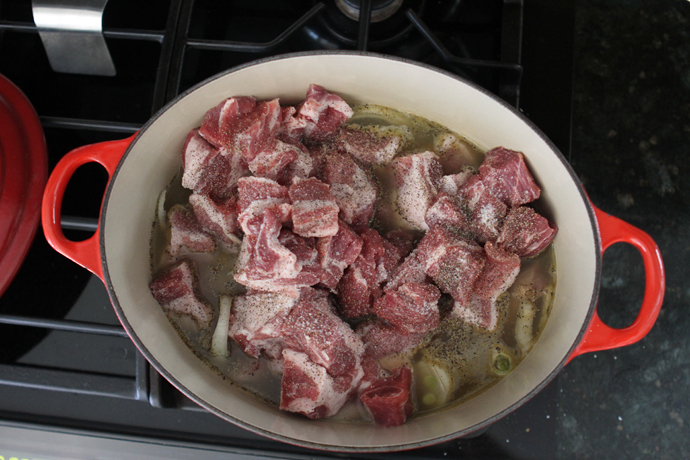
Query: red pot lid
[23, 171]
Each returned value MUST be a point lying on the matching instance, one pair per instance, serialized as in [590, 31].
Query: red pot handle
[86, 253]
[599, 336]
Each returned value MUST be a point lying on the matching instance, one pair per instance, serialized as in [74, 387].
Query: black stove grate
[159, 53]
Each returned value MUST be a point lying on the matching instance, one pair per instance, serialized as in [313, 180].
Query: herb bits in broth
[359, 263]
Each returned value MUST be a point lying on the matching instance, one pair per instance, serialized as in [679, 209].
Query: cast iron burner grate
[65, 359]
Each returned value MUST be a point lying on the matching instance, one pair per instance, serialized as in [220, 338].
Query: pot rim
[334, 448]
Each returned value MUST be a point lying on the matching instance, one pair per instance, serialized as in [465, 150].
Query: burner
[380, 10]
[338, 25]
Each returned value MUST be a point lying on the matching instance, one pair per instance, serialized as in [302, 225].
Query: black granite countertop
[631, 149]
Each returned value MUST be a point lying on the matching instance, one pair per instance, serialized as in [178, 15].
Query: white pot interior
[155, 156]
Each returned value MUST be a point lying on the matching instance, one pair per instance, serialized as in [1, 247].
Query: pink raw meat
[352, 186]
[451, 184]
[499, 272]
[485, 211]
[413, 307]
[308, 389]
[291, 127]
[307, 257]
[448, 211]
[255, 189]
[505, 173]
[217, 217]
[322, 112]
[314, 210]
[418, 178]
[389, 400]
[257, 322]
[382, 339]
[356, 288]
[207, 171]
[272, 160]
[324, 337]
[480, 312]
[336, 253]
[453, 262]
[412, 270]
[367, 147]
[525, 232]
[177, 291]
[219, 122]
[186, 234]
[264, 263]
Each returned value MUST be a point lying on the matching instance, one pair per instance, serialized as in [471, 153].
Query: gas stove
[69, 375]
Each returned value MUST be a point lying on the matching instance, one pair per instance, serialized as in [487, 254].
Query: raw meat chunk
[352, 186]
[448, 211]
[480, 312]
[186, 234]
[257, 322]
[418, 178]
[272, 160]
[452, 183]
[499, 272]
[219, 122]
[303, 166]
[256, 194]
[454, 153]
[322, 112]
[525, 232]
[368, 147]
[217, 217]
[314, 210]
[336, 253]
[361, 283]
[389, 400]
[382, 339]
[264, 263]
[356, 288]
[307, 257]
[485, 211]
[256, 189]
[250, 132]
[307, 388]
[291, 127]
[324, 337]
[402, 240]
[413, 307]
[453, 262]
[505, 173]
[206, 171]
[412, 270]
[177, 291]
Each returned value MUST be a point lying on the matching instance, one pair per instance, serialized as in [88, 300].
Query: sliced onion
[219, 342]
[162, 217]
[524, 326]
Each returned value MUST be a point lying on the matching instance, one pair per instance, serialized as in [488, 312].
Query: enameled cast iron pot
[140, 167]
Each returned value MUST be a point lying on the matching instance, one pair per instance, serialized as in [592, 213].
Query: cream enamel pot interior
[142, 166]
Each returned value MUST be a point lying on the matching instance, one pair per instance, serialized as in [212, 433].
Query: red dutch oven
[141, 166]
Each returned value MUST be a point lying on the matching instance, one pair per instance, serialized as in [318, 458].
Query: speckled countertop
[631, 149]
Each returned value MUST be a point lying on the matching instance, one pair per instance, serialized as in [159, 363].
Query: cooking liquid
[454, 362]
